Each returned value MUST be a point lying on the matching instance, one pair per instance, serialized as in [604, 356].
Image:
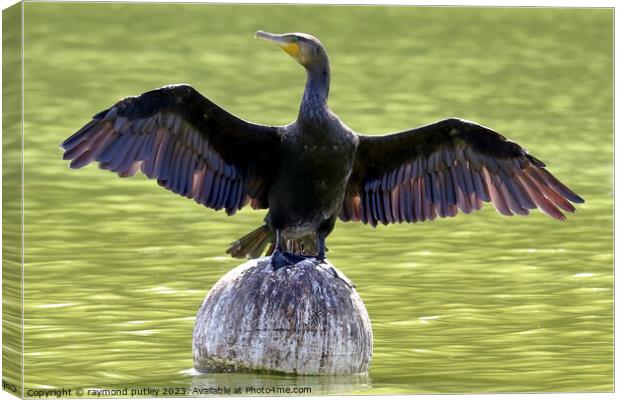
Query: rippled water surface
[116, 269]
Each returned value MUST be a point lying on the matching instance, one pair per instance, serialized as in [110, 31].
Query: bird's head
[306, 49]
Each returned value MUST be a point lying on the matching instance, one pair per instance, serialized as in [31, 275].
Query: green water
[116, 269]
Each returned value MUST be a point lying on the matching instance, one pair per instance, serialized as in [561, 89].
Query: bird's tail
[253, 244]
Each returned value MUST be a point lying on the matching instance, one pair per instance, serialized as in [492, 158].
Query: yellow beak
[281, 40]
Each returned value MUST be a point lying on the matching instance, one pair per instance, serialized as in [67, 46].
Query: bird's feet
[280, 259]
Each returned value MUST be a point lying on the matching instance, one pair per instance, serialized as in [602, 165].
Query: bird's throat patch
[292, 49]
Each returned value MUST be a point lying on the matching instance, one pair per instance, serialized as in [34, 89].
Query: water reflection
[251, 384]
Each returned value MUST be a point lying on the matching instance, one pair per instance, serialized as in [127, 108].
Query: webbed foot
[280, 259]
[317, 260]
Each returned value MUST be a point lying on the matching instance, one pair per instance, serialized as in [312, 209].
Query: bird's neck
[317, 90]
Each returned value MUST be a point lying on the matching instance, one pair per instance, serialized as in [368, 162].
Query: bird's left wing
[437, 169]
[185, 141]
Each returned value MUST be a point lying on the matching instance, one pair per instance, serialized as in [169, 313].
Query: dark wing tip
[81, 161]
[71, 141]
[577, 199]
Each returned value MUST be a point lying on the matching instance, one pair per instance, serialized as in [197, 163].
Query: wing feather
[441, 168]
[184, 141]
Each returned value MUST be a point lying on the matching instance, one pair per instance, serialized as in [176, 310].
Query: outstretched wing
[185, 141]
[450, 165]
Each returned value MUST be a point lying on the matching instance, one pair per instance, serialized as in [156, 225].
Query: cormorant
[315, 169]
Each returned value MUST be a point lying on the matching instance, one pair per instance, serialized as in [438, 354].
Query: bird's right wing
[185, 141]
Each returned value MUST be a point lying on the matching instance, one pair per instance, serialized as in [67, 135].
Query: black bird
[316, 169]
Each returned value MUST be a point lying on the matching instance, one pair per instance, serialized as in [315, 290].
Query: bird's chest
[322, 163]
[312, 178]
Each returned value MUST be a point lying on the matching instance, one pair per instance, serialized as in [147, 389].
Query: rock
[303, 319]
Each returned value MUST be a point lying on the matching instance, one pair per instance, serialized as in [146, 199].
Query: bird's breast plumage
[316, 163]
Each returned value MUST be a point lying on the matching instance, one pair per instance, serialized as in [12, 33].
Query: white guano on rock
[303, 319]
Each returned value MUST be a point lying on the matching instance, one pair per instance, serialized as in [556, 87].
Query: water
[116, 269]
